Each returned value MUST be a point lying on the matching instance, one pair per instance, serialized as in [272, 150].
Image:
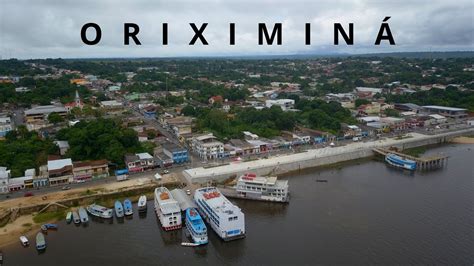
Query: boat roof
[197, 222]
[168, 205]
[218, 202]
[270, 180]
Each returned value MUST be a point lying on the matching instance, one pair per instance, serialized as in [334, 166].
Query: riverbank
[316, 157]
[463, 140]
[18, 214]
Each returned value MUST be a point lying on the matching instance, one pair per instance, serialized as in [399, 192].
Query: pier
[423, 163]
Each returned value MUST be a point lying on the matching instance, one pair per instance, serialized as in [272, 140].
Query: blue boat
[46, 227]
[127, 205]
[83, 215]
[118, 209]
[196, 227]
[400, 162]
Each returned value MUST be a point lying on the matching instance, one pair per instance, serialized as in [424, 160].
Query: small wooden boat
[188, 244]
[69, 217]
[24, 241]
[46, 227]
[142, 204]
[127, 205]
[83, 215]
[40, 242]
[76, 218]
[118, 207]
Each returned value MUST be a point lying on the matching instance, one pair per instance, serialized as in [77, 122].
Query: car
[80, 181]
[28, 194]
[188, 192]
[66, 188]
[165, 172]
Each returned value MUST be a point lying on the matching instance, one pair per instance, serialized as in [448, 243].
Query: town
[66, 122]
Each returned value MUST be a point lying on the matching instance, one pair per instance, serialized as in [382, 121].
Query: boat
[251, 186]
[46, 227]
[322, 180]
[69, 217]
[83, 215]
[187, 244]
[99, 211]
[225, 218]
[196, 227]
[167, 209]
[118, 207]
[127, 206]
[76, 218]
[24, 241]
[397, 161]
[1, 258]
[142, 205]
[40, 242]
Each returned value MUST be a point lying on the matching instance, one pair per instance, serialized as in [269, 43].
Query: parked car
[66, 188]
[28, 194]
[188, 192]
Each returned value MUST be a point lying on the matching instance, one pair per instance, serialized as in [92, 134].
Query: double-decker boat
[251, 186]
[167, 209]
[100, 211]
[196, 227]
[226, 219]
[397, 161]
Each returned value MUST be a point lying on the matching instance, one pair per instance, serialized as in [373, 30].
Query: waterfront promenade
[316, 157]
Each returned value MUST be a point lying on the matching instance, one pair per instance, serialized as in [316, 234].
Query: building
[207, 146]
[4, 178]
[407, 107]
[450, 112]
[177, 153]
[5, 125]
[139, 162]
[149, 111]
[41, 113]
[63, 146]
[77, 103]
[90, 170]
[24, 182]
[112, 106]
[41, 180]
[216, 99]
[60, 171]
[285, 104]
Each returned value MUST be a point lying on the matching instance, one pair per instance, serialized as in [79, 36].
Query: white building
[208, 147]
[285, 104]
[4, 177]
[5, 125]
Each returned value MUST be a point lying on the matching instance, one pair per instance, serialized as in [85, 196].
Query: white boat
[188, 244]
[251, 186]
[83, 215]
[24, 241]
[76, 218]
[142, 204]
[225, 218]
[99, 211]
[167, 209]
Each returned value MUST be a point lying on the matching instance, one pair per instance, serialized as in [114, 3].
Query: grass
[415, 151]
[49, 216]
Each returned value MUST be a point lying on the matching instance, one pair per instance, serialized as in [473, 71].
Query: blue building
[175, 152]
[149, 112]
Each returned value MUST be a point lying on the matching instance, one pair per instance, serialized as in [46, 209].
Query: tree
[359, 102]
[55, 118]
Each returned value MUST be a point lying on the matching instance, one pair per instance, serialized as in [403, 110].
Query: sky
[51, 28]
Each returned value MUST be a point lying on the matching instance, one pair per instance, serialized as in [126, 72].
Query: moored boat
[46, 227]
[187, 244]
[225, 218]
[24, 241]
[127, 206]
[167, 209]
[118, 207]
[69, 217]
[397, 161]
[253, 187]
[40, 241]
[142, 204]
[76, 218]
[196, 227]
[99, 211]
[83, 215]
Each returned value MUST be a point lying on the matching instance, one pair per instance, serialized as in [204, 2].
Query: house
[243, 147]
[450, 112]
[24, 182]
[372, 108]
[407, 107]
[394, 123]
[164, 160]
[351, 130]
[139, 162]
[367, 92]
[437, 119]
[4, 178]
[284, 104]
[175, 152]
[60, 171]
[296, 138]
[41, 179]
[5, 125]
[41, 113]
[90, 170]
[207, 146]
[62, 145]
[112, 106]
[249, 135]
[149, 111]
[216, 99]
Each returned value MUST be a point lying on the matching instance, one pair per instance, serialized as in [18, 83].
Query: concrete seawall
[315, 157]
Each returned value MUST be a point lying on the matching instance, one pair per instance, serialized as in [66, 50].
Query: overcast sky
[51, 28]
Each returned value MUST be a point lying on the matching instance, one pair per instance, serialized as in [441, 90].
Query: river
[367, 213]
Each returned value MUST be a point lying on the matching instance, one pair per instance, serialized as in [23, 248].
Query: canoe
[76, 218]
[83, 215]
[40, 241]
[69, 217]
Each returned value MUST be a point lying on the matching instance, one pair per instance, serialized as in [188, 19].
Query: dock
[422, 163]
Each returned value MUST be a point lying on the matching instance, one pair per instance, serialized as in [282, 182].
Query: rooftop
[45, 109]
[444, 108]
[59, 164]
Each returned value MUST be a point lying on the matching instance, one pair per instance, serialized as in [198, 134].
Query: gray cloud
[48, 28]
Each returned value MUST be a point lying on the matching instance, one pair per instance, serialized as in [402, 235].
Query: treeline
[23, 149]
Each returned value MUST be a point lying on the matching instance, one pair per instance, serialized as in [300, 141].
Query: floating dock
[422, 163]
